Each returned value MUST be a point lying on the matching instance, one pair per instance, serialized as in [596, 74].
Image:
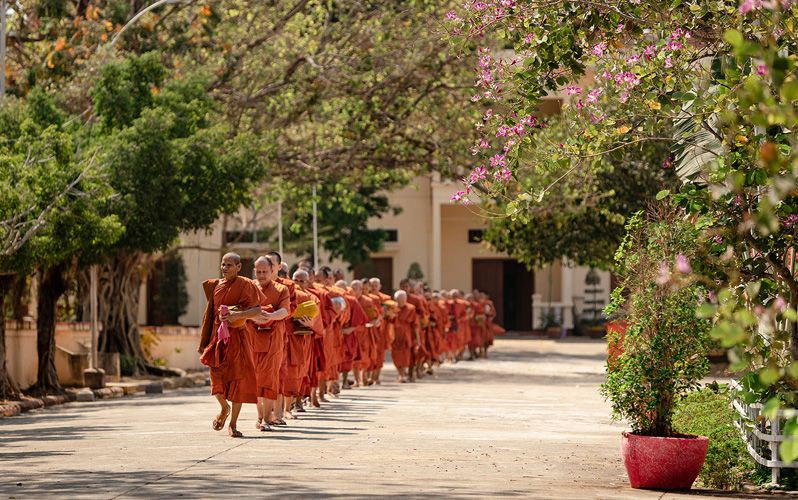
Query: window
[393, 236]
[475, 235]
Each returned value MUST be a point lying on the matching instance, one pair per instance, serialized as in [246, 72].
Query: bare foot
[323, 400]
[288, 416]
[264, 427]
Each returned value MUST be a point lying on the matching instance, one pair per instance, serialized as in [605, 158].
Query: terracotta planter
[614, 349]
[554, 332]
[663, 463]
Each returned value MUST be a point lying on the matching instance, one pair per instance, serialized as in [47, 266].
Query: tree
[715, 81]
[173, 170]
[584, 215]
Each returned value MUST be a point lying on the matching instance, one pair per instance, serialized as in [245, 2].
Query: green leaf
[771, 408]
[789, 450]
[734, 37]
[663, 194]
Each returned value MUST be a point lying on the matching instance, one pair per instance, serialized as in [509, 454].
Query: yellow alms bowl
[309, 309]
[371, 313]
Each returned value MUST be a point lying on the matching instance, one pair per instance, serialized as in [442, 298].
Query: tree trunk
[8, 389]
[18, 292]
[118, 305]
[53, 285]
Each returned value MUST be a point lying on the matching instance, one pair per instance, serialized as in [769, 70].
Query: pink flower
[682, 265]
[503, 174]
[592, 97]
[780, 304]
[790, 220]
[650, 52]
[599, 49]
[664, 275]
[458, 196]
[668, 63]
[749, 5]
[667, 163]
[718, 239]
[573, 90]
[761, 70]
[497, 160]
[479, 173]
[475, 98]
[619, 28]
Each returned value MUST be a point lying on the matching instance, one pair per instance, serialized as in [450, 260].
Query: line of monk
[282, 343]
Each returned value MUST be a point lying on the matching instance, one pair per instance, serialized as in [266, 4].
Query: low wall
[176, 346]
[73, 342]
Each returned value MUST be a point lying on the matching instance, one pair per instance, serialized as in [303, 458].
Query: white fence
[762, 435]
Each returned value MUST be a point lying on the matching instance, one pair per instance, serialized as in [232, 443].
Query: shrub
[707, 413]
[127, 365]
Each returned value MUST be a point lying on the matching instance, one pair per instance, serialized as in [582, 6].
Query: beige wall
[414, 225]
[457, 253]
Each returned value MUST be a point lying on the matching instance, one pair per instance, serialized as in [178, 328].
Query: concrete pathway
[527, 423]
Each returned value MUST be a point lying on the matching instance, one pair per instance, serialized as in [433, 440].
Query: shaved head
[232, 256]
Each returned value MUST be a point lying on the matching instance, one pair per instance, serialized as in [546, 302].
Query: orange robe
[232, 365]
[420, 353]
[382, 333]
[357, 317]
[451, 333]
[478, 322]
[299, 349]
[292, 294]
[268, 340]
[318, 362]
[461, 308]
[366, 337]
[439, 324]
[405, 322]
[334, 340]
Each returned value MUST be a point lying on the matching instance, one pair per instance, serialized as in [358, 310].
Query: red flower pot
[663, 463]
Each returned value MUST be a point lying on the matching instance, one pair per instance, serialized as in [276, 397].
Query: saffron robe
[405, 323]
[268, 340]
[233, 364]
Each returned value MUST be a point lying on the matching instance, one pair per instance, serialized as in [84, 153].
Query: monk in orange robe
[299, 345]
[477, 326]
[366, 337]
[230, 359]
[463, 317]
[451, 331]
[419, 354]
[267, 336]
[334, 344]
[318, 360]
[439, 323]
[407, 335]
[385, 333]
[276, 259]
[357, 317]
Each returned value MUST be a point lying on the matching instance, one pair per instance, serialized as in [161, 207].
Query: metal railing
[762, 434]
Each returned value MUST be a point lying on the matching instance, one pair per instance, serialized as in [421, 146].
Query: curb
[17, 407]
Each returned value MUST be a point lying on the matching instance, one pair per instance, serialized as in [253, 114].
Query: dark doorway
[510, 286]
[377, 267]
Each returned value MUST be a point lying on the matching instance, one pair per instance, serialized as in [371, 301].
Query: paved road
[527, 423]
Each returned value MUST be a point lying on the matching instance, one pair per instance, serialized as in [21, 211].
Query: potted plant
[664, 349]
[552, 323]
[593, 305]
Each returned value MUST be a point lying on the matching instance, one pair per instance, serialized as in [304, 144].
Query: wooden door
[510, 286]
[377, 267]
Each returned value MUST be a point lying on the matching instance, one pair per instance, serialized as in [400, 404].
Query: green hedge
[707, 413]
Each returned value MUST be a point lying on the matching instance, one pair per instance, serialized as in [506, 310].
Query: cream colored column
[567, 299]
[436, 241]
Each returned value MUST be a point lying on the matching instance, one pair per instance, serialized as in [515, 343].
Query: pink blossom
[475, 98]
[790, 220]
[458, 196]
[667, 163]
[573, 90]
[718, 239]
[497, 160]
[749, 5]
[668, 63]
[650, 52]
[619, 28]
[599, 49]
[664, 276]
[780, 305]
[592, 97]
[682, 265]
[479, 173]
[761, 70]
[624, 96]
[503, 174]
